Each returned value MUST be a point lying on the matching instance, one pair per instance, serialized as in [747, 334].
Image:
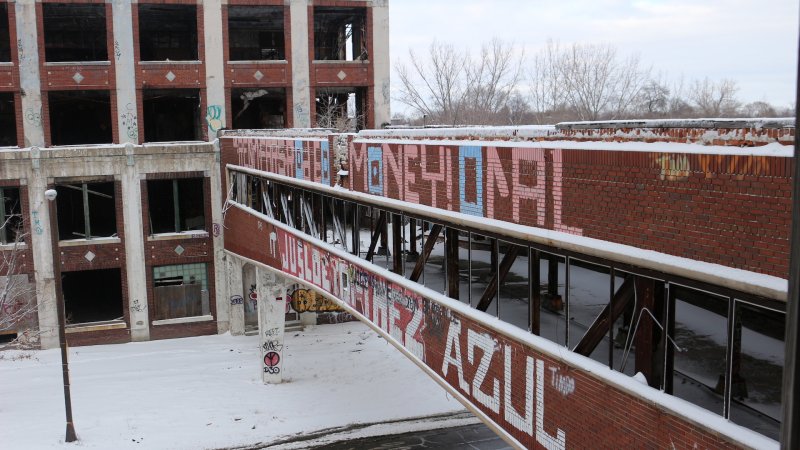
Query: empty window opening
[168, 32]
[10, 215]
[5, 36]
[341, 109]
[176, 205]
[74, 32]
[171, 115]
[8, 122]
[256, 33]
[340, 34]
[86, 210]
[180, 291]
[92, 296]
[80, 117]
[258, 108]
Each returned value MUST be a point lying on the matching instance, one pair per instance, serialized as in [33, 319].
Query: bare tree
[435, 86]
[715, 99]
[599, 84]
[338, 113]
[492, 79]
[17, 294]
[546, 84]
[759, 109]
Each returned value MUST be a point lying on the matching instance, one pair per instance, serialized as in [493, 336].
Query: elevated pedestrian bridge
[539, 330]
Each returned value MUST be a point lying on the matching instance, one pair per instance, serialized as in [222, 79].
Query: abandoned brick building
[98, 100]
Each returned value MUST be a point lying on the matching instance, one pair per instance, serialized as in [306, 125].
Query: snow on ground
[206, 392]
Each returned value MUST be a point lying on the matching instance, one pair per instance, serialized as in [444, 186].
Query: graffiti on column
[271, 361]
[214, 118]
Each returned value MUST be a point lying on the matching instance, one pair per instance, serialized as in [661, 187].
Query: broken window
[341, 109]
[8, 122]
[180, 291]
[168, 32]
[74, 32]
[176, 205]
[340, 34]
[92, 296]
[256, 33]
[86, 210]
[171, 114]
[80, 117]
[258, 108]
[10, 215]
[5, 36]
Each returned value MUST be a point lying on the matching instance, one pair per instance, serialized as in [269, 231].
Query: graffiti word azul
[498, 396]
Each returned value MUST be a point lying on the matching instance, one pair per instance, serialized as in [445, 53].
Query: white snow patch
[206, 392]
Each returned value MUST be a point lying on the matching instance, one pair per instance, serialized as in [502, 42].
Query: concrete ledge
[181, 320]
[97, 326]
[178, 236]
[96, 241]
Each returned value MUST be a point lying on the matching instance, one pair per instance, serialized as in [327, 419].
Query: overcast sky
[751, 41]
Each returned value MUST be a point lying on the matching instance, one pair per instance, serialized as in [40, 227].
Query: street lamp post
[50, 195]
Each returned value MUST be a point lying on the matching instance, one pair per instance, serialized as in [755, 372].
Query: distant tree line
[498, 85]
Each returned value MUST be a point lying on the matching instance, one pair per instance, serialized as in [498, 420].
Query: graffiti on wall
[301, 159]
[214, 118]
[678, 167]
[471, 355]
[130, 122]
[305, 300]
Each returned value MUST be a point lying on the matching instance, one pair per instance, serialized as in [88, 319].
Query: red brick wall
[539, 399]
[733, 210]
[162, 253]
[725, 209]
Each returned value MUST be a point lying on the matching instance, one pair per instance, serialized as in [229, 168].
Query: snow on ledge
[180, 320]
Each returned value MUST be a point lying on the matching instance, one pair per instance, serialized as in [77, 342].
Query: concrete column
[236, 298]
[218, 233]
[27, 46]
[381, 62]
[42, 254]
[301, 79]
[127, 116]
[215, 69]
[134, 248]
[271, 324]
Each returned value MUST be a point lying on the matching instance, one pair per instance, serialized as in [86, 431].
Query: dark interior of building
[342, 109]
[176, 205]
[74, 32]
[167, 32]
[10, 215]
[256, 33]
[5, 36]
[340, 33]
[86, 210]
[92, 296]
[171, 114]
[80, 117]
[8, 124]
[258, 108]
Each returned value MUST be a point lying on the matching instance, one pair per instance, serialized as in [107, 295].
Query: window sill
[6, 64]
[259, 61]
[181, 235]
[12, 246]
[181, 320]
[97, 326]
[341, 61]
[167, 63]
[76, 63]
[95, 241]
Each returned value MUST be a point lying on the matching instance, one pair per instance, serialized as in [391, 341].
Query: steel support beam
[430, 242]
[377, 232]
[491, 288]
[599, 329]
[451, 255]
